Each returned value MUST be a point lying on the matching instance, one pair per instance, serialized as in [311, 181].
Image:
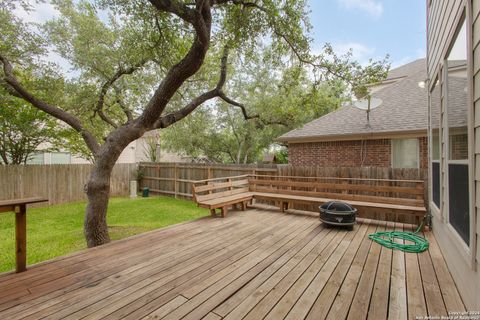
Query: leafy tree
[144, 65]
[22, 129]
[282, 155]
[285, 96]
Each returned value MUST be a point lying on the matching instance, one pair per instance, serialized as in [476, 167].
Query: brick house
[395, 135]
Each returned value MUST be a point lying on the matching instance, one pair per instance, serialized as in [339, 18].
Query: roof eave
[356, 136]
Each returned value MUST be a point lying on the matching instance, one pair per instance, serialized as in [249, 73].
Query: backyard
[239, 159]
[58, 230]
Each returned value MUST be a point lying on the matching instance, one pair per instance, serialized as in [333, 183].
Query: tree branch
[177, 8]
[122, 104]
[246, 4]
[9, 89]
[228, 100]
[184, 69]
[54, 111]
[108, 84]
[173, 117]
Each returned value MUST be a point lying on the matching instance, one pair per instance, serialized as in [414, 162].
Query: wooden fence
[176, 178]
[65, 183]
[59, 183]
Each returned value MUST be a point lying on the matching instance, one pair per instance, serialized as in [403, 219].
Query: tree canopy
[284, 96]
[23, 129]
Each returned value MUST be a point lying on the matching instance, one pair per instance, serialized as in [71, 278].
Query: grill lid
[337, 206]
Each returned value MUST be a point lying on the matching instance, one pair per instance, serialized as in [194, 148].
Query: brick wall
[423, 152]
[373, 153]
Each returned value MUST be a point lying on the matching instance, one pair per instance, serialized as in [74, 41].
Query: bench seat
[225, 201]
[370, 196]
[317, 200]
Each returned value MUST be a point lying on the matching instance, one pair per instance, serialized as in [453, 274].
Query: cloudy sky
[372, 28]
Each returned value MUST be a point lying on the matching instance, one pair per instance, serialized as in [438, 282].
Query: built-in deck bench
[220, 193]
[399, 197]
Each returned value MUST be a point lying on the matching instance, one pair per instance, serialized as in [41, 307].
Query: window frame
[437, 210]
[469, 252]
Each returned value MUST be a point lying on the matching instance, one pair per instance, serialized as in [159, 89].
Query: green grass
[58, 230]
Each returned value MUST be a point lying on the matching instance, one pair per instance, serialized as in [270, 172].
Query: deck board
[397, 308]
[251, 265]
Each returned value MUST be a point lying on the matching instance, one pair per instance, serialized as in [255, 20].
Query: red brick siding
[423, 152]
[348, 153]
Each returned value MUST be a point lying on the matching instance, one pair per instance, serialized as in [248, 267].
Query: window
[37, 158]
[457, 136]
[405, 153]
[60, 158]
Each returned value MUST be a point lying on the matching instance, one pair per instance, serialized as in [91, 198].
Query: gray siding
[476, 103]
[443, 17]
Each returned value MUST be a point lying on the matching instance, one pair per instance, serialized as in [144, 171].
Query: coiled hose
[387, 239]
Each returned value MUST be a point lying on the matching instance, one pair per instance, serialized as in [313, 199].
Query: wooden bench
[398, 197]
[220, 193]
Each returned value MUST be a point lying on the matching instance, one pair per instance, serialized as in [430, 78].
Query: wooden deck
[256, 264]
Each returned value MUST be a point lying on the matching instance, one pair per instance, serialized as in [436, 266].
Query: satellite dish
[363, 103]
[368, 104]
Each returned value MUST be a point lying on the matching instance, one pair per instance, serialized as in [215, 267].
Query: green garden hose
[387, 239]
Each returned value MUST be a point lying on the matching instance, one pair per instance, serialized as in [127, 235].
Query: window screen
[405, 153]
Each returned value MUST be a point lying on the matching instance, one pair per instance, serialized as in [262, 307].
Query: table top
[17, 202]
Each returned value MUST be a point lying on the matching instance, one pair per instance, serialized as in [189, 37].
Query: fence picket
[59, 183]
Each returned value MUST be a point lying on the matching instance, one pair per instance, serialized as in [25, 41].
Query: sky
[372, 28]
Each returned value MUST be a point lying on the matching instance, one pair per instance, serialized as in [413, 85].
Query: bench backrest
[219, 187]
[405, 192]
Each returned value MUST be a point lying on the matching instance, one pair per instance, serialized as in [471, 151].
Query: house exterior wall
[476, 118]
[136, 151]
[443, 21]
[350, 153]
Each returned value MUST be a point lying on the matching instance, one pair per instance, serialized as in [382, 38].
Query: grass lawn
[58, 230]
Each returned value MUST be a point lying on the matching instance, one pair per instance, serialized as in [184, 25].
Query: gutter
[358, 136]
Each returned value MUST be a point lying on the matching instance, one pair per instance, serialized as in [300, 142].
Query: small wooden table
[19, 206]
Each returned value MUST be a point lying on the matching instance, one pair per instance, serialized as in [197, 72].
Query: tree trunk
[98, 186]
[98, 193]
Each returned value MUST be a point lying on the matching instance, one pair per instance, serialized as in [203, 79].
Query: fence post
[175, 179]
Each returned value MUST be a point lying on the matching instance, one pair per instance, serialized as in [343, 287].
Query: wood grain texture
[253, 264]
